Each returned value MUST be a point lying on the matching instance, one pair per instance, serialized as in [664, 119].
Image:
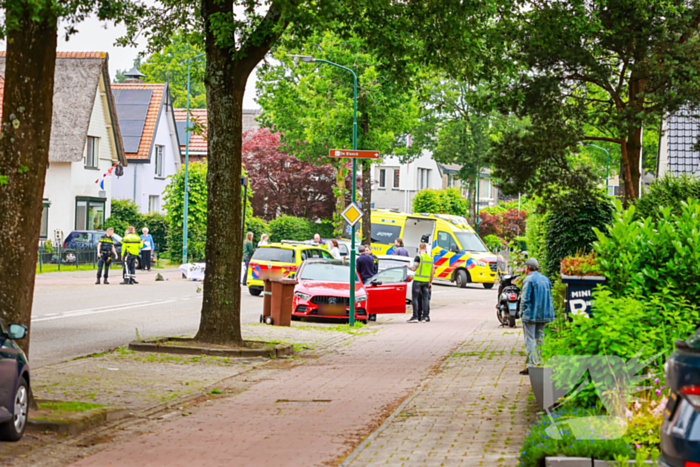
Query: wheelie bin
[281, 302]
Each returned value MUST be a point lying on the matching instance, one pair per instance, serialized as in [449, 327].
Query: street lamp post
[607, 165]
[187, 162]
[308, 59]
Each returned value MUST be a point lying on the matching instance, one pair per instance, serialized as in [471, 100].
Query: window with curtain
[92, 152]
[382, 178]
[159, 161]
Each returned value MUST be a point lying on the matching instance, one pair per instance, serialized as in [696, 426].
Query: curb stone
[78, 422]
[582, 462]
[155, 345]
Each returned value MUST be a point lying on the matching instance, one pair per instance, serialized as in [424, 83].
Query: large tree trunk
[220, 320]
[472, 201]
[340, 173]
[24, 154]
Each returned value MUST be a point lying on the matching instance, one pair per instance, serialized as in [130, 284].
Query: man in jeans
[536, 309]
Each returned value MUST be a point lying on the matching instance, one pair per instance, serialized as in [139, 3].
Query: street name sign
[354, 153]
[352, 214]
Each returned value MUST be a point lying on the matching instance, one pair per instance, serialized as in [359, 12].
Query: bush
[324, 228]
[258, 226]
[290, 228]
[157, 225]
[494, 243]
[428, 201]
[667, 191]
[124, 213]
[535, 235]
[568, 231]
[507, 225]
[645, 258]
[453, 202]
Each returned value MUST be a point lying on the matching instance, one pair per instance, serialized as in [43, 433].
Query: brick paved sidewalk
[473, 412]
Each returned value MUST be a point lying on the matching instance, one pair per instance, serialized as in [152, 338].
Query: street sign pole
[353, 269]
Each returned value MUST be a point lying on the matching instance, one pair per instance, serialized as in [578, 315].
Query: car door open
[386, 291]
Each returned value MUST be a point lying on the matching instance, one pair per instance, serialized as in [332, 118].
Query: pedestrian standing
[536, 309]
[105, 250]
[146, 249]
[131, 244]
[399, 249]
[424, 267]
[335, 249]
[364, 264]
[248, 250]
[264, 238]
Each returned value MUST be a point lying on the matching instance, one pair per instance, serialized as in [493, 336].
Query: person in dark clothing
[248, 250]
[105, 250]
[365, 264]
[399, 249]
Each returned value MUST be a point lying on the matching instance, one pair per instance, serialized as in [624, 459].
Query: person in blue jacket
[147, 247]
[536, 309]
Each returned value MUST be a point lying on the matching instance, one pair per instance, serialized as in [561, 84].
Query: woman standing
[147, 247]
[263, 239]
[248, 250]
[335, 249]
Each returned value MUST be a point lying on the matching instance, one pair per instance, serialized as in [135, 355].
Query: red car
[324, 291]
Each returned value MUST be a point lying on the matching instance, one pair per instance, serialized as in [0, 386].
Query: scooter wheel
[268, 320]
[262, 319]
[511, 321]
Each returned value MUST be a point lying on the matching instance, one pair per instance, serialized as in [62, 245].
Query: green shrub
[538, 444]
[258, 226]
[493, 243]
[124, 213]
[568, 231]
[157, 224]
[324, 228]
[667, 191]
[453, 202]
[535, 229]
[290, 228]
[428, 201]
[645, 258]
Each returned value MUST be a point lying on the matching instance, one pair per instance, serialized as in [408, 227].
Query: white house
[85, 143]
[150, 141]
[395, 184]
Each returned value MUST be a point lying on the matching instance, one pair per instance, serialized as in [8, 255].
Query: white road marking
[72, 314]
[96, 308]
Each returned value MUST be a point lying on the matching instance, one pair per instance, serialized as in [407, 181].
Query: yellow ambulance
[460, 255]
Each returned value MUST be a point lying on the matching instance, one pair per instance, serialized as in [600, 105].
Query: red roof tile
[149, 127]
[198, 143]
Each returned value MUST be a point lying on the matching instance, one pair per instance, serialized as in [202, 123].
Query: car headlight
[480, 263]
[361, 298]
[303, 296]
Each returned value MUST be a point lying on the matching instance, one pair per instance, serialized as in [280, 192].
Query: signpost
[354, 154]
[352, 214]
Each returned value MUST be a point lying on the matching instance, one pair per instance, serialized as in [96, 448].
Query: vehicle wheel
[511, 321]
[268, 320]
[296, 318]
[14, 429]
[137, 263]
[262, 319]
[363, 321]
[500, 314]
[461, 279]
[69, 256]
[254, 291]
[488, 286]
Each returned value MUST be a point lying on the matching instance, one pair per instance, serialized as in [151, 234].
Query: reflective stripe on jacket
[425, 269]
[132, 244]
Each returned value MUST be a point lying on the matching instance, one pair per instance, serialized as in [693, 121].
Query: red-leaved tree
[508, 224]
[282, 184]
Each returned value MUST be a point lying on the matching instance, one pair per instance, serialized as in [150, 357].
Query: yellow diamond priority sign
[352, 214]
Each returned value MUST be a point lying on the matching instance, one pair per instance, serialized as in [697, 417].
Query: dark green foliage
[427, 201]
[124, 213]
[290, 228]
[258, 226]
[667, 192]
[325, 228]
[570, 230]
[157, 225]
[447, 201]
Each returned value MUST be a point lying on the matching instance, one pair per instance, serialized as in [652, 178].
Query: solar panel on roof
[132, 109]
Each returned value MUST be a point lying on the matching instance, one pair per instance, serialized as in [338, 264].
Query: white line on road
[72, 314]
[96, 308]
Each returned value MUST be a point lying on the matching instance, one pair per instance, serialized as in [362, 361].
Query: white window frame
[423, 179]
[397, 179]
[158, 156]
[153, 203]
[482, 183]
[382, 178]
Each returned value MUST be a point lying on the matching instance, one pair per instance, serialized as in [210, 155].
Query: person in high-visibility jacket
[131, 244]
[424, 267]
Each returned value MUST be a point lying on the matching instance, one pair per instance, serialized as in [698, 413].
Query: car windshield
[326, 272]
[470, 241]
[277, 255]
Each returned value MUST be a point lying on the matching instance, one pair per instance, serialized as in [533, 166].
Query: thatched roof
[76, 82]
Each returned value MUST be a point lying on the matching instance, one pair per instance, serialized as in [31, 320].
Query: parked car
[14, 383]
[80, 245]
[680, 430]
[389, 261]
[324, 291]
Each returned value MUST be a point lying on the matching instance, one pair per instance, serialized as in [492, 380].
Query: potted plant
[581, 274]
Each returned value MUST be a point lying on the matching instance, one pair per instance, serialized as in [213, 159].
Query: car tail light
[512, 296]
[691, 464]
[409, 279]
[692, 394]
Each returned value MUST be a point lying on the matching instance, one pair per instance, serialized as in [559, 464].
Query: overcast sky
[96, 36]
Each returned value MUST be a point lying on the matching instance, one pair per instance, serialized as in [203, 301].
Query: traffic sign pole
[353, 268]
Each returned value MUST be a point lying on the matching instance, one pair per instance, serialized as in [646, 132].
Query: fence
[74, 257]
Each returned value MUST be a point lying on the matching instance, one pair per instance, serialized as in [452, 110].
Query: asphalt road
[72, 316]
